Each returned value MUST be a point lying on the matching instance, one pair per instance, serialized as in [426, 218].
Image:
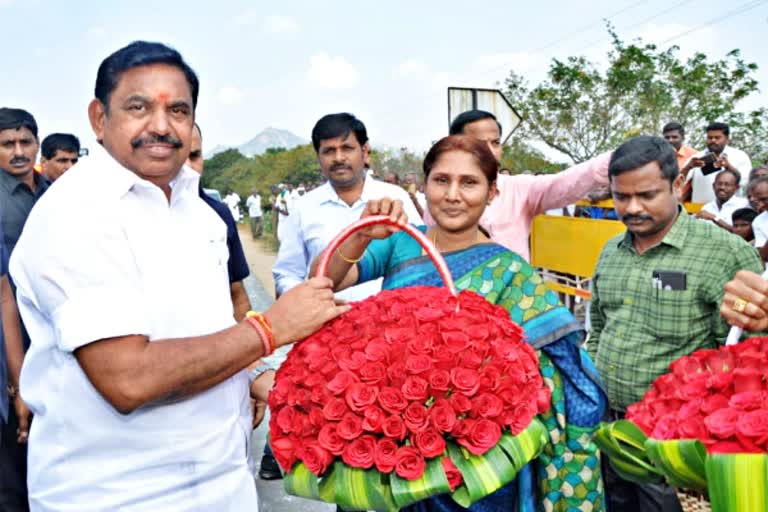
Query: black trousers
[626, 496]
[13, 468]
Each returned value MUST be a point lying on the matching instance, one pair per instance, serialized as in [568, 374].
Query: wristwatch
[12, 391]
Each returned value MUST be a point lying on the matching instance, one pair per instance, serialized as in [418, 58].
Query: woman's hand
[745, 303]
[384, 206]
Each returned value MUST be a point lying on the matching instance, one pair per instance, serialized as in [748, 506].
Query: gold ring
[739, 305]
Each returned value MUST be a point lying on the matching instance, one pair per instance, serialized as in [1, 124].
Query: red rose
[691, 408]
[316, 417]
[284, 450]
[420, 344]
[360, 396]
[439, 380]
[748, 400]
[315, 457]
[662, 407]
[415, 417]
[752, 359]
[418, 364]
[373, 373]
[415, 389]
[666, 428]
[373, 417]
[320, 395]
[285, 419]
[354, 362]
[350, 426]
[483, 436]
[754, 425]
[377, 350]
[427, 314]
[694, 387]
[452, 473]
[747, 379]
[487, 406]
[359, 453]
[429, 442]
[442, 415]
[470, 359]
[723, 423]
[490, 377]
[341, 382]
[543, 399]
[385, 456]
[713, 403]
[692, 427]
[392, 400]
[462, 428]
[398, 334]
[330, 439]
[396, 374]
[394, 427]
[716, 360]
[518, 418]
[465, 381]
[409, 464]
[335, 409]
[725, 447]
[686, 366]
[460, 403]
[456, 341]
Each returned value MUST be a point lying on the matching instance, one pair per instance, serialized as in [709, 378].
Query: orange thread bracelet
[267, 326]
[265, 339]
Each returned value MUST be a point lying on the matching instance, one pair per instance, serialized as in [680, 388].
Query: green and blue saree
[566, 477]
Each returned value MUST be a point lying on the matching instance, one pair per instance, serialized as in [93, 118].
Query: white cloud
[250, 16]
[411, 68]
[501, 62]
[5, 3]
[278, 24]
[230, 95]
[332, 72]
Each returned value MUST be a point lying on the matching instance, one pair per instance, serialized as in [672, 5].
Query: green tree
[215, 166]
[582, 110]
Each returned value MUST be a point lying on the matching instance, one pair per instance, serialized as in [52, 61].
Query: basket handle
[424, 242]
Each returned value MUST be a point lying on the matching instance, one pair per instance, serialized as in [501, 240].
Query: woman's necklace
[434, 240]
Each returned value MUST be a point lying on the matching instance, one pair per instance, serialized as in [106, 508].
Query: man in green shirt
[656, 291]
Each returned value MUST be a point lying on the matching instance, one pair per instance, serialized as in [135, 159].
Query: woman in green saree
[460, 177]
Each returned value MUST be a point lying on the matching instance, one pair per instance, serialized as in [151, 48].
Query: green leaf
[525, 446]
[624, 444]
[681, 461]
[738, 482]
[302, 482]
[433, 481]
[358, 489]
[483, 474]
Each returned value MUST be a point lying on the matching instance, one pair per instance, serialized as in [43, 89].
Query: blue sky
[285, 64]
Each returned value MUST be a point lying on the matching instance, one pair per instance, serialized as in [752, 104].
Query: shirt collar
[675, 237]
[12, 183]
[120, 180]
[326, 192]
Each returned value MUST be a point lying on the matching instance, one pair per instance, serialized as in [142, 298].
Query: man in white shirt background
[254, 212]
[726, 201]
[341, 144]
[135, 372]
[233, 201]
[703, 167]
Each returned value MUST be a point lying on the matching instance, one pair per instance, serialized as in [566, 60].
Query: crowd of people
[136, 369]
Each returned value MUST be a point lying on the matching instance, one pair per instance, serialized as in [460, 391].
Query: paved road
[272, 497]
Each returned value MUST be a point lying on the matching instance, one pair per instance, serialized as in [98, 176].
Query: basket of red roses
[414, 392]
[703, 427]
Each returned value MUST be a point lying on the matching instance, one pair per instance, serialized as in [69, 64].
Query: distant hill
[268, 138]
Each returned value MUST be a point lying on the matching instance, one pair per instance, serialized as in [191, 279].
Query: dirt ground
[260, 258]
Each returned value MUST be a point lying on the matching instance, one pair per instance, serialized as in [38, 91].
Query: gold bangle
[338, 250]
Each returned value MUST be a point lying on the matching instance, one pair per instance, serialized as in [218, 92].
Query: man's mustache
[336, 167]
[19, 160]
[630, 218]
[157, 139]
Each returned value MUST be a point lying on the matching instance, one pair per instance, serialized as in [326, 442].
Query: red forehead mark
[163, 97]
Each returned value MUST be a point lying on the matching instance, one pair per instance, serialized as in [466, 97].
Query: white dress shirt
[316, 220]
[760, 229]
[702, 185]
[724, 214]
[104, 254]
[254, 206]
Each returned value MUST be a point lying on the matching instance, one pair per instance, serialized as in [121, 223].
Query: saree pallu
[566, 477]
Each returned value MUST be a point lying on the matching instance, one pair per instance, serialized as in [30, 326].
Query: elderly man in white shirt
[726, 201]
[341, 143]
[717, 157]
[135, 374]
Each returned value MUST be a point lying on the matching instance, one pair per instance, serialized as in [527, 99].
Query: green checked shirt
[637, 329]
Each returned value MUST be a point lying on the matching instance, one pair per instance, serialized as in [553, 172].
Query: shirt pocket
[675, 316]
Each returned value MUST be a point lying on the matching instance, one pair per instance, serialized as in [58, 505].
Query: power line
[747, 6]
